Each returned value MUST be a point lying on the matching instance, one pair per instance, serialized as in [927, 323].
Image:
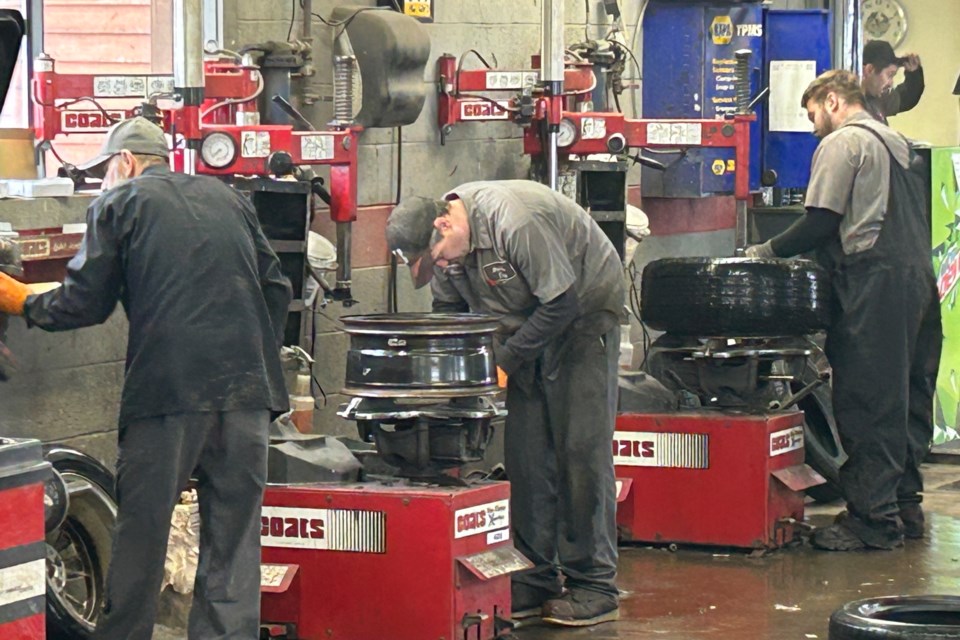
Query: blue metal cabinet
[688, 71]
[688, 62]
[793, 35]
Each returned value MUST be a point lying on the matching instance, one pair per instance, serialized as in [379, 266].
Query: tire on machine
[735, 297]
[754, 297]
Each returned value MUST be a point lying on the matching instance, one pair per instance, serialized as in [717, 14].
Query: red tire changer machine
[228, 113]
[423, 552]
[730, 476]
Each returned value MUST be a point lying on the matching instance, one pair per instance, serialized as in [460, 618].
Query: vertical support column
[847, 34]
[188, 73]
[551, 63]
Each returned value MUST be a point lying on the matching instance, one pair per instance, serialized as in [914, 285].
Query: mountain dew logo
[945, 214]
[949, 273]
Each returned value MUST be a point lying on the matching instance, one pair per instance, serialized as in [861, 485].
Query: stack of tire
[753, 298]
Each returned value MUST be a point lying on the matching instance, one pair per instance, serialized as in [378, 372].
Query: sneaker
[912, 515]
[581, 608]
[526, 601]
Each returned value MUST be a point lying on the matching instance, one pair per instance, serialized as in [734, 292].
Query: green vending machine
[945, 219]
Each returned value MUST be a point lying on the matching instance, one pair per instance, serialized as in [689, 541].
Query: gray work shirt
[528, 245]
[850, 176]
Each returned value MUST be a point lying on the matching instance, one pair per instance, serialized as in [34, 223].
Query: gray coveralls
[528, 246]
[206, 302]
[885, 338]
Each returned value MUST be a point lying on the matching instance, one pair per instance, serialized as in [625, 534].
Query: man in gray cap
[880, 66]
[537, 260]
[206, 303]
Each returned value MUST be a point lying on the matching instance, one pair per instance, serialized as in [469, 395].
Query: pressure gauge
[567, 134]
[218, 150]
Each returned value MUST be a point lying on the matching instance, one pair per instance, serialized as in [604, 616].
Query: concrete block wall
[68, 385]
[507, 31]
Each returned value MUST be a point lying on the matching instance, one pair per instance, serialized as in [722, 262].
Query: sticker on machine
[254, 144]
[670, 450]
[501, 535]
[23, 581]
[324, 529]
[481, 519]
[316, 146]
[785, 441]
[686, 133]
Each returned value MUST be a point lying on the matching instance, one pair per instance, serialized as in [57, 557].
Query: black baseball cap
[880, 54]
[410, 234]
[136, 135]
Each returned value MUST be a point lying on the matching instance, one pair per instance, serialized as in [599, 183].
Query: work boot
[526, 601]
[847, 533]
[912, 515]
[581, 608]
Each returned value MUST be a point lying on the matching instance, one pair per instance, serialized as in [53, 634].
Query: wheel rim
[73, 572]
[79, 550]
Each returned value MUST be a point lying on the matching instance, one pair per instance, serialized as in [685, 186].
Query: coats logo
[787, 440]
[496, 273]
[481, 518]
[667, 450]
[323, 529]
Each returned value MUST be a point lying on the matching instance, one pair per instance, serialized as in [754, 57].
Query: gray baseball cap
[410, 234]
[136, 135]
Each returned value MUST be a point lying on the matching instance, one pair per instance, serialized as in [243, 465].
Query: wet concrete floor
[723, 594]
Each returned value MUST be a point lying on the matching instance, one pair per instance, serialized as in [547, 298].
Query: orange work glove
[501, 378]
[12, 295]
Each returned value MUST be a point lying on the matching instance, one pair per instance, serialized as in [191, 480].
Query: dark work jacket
[201, 287]
[903, 97]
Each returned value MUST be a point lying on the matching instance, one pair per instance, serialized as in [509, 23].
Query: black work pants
[884, 347]
[228, 452]
[559, 459]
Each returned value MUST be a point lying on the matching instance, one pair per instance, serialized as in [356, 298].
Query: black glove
[504, 356]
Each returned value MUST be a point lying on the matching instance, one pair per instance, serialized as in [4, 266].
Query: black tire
[897, 618]
[735, 297]
[78, 551]
[823, 451]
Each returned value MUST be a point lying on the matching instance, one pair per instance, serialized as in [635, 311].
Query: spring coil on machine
[742, 80]
[343, 89]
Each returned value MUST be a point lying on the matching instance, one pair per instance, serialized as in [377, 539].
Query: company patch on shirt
[497, 273]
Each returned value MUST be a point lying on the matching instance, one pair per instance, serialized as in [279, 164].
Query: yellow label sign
[718, 167]
[731, 165]
[721, 30]
[417, 8]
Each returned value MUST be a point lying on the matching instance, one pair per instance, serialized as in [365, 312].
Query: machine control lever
[789, 401]
[291, 111]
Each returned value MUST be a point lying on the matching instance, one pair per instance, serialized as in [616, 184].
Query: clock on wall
[884, 20]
